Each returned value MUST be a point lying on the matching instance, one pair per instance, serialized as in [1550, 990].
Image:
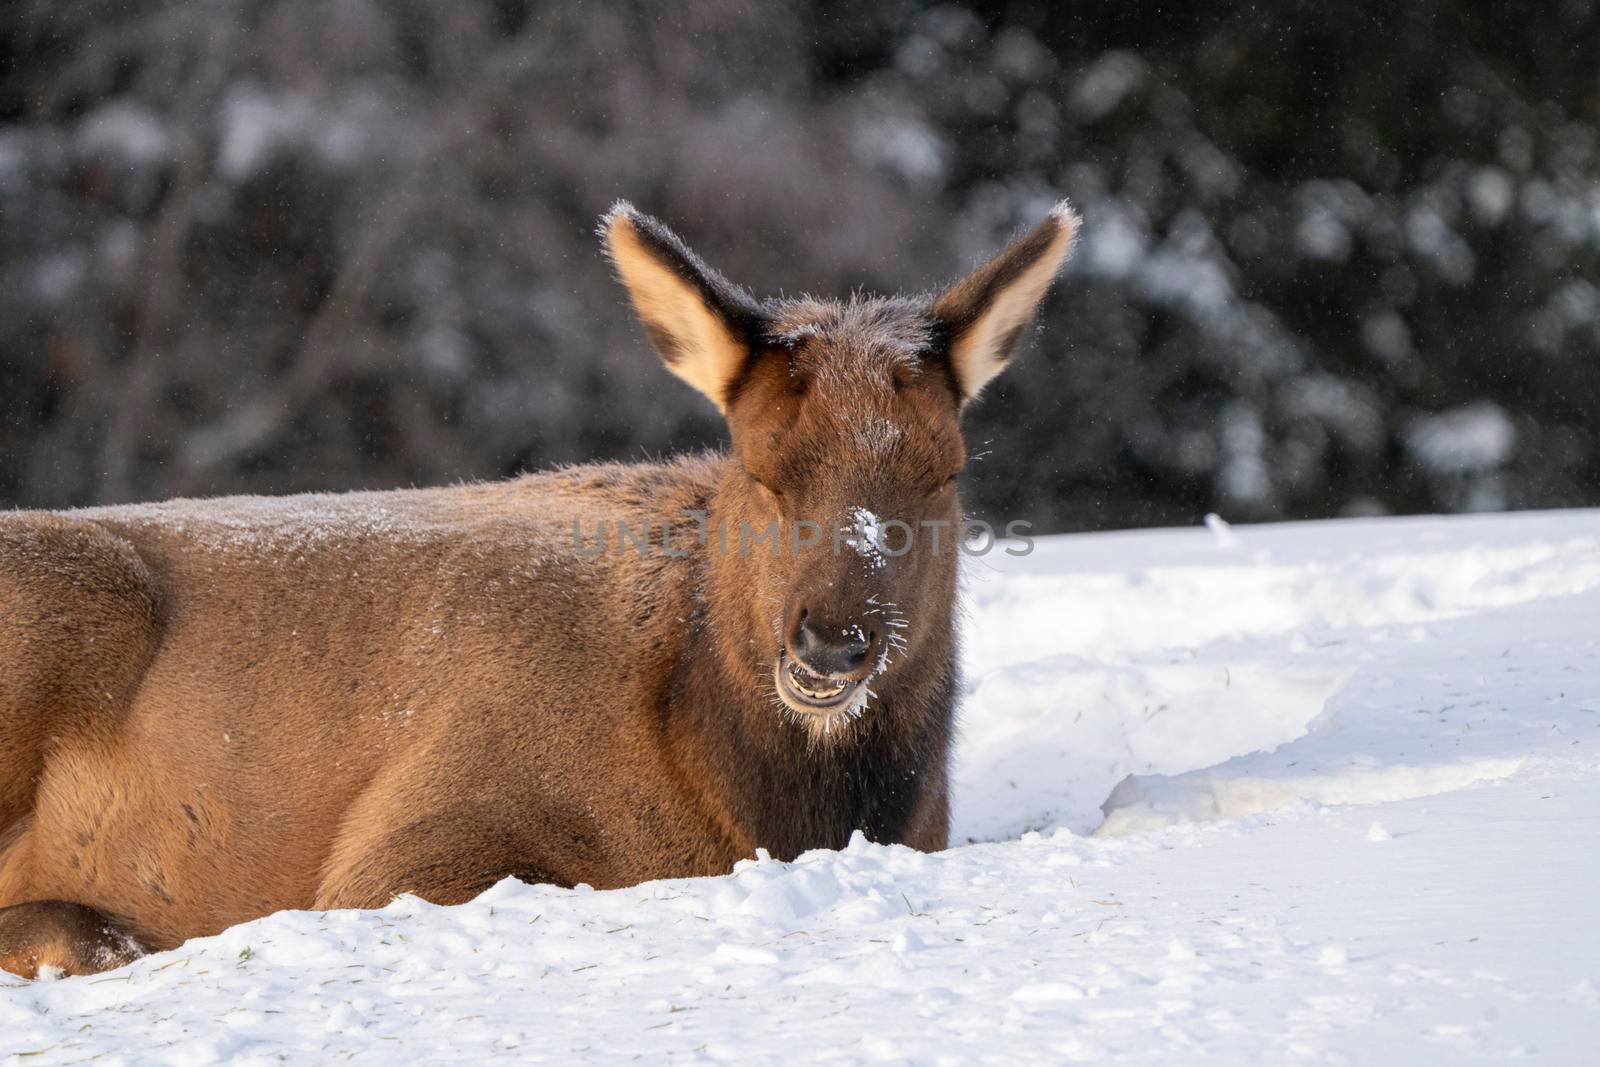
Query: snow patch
[1073, 729]
[1474, 437]
[864, 533]
[125, 131]
[1143, 803]
[1108, 81]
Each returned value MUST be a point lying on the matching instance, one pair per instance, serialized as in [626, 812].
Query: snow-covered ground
[1322, 792]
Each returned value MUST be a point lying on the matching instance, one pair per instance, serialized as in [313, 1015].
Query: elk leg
[78, 627]
[53, 938]
[929, 829]
[446, 859]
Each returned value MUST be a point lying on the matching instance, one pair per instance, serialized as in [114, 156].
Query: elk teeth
[814, 686]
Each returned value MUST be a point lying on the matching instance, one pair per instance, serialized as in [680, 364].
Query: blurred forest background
[1338, 258]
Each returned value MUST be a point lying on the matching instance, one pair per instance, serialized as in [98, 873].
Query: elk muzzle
[825, 665]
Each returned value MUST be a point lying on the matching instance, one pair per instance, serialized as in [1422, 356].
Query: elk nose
[828, 649]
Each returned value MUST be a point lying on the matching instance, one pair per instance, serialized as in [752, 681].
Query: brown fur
[212, 710]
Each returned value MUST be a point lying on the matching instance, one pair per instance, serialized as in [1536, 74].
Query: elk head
[837, 518]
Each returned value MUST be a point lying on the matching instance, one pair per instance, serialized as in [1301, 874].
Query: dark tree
[1337, 258]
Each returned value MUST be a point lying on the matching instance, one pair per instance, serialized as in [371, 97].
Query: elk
[211, 710]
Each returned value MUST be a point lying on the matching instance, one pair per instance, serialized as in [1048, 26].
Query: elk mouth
[807, 691]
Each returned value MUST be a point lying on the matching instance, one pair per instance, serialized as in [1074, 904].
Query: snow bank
[1325, 791]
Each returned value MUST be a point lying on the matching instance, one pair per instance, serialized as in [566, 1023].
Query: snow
[906, 146]
[1478, 436]
[1106, 83]
[125, 131]
[1321, 792]
[865, 533]
[1388, 337]
[255, 125]
[1491, 193]
[1432, 238]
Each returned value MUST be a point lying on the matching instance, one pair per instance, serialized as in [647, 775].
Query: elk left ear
[700, 323]
[988, 310]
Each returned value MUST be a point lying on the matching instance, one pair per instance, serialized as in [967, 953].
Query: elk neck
[771, 781]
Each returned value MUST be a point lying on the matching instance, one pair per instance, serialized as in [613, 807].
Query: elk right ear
[987, 312]
[701, 324]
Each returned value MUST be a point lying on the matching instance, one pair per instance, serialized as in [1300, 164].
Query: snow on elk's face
[839, 505]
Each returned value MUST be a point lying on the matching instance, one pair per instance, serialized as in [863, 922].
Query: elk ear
[702, 325]
[986, 312]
